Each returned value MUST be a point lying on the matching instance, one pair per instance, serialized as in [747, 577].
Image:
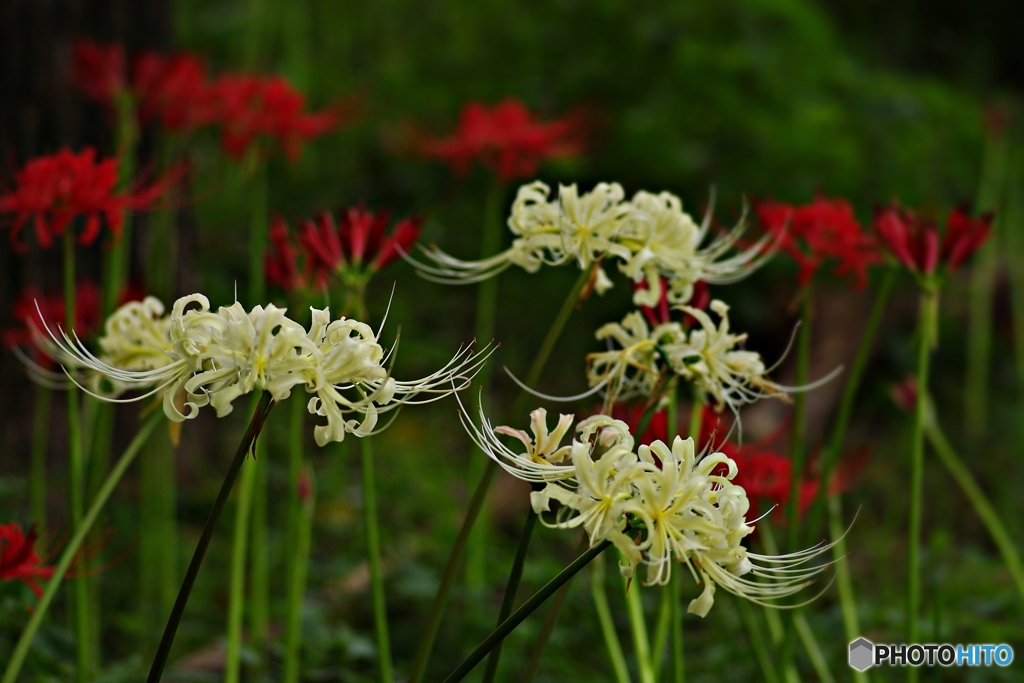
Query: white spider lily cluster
[656, 505]
[709, 356]
[650, 237]
[196, 357]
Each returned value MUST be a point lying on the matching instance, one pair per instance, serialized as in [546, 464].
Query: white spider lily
[576, 227]
[664, 241]
[712, 357]
[636, 367]
[197, 357]
[660, 506]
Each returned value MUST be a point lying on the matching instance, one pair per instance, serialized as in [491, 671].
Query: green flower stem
[433, 622]
[780, 634]
[40, 440]
[989, 517]
[528, 607]
[244, 447]
[509, 599]
[380, 613]
[486, 313]
[239, 553]
[810, 643]
[669, 616]
[548, 626]
[928, 321]
[115, 266]
[21, 649]
[799, 434]
[844, 582]
[76, 477]
[638, 626]
[598, 591]
[991, 190]
[676, 617]
[757, 641]
[297, 581]
[296, 561]
[853, 379]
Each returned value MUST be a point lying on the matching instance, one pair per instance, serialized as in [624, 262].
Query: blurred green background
[759, 98]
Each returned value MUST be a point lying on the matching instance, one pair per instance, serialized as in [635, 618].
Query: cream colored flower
[197, 357]
[664, 241]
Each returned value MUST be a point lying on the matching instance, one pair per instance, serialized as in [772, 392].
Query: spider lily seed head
[196, 357]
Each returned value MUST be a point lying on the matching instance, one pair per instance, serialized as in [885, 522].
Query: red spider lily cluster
[52, 191]
[506, 139]
[824, 229]
[176, 91]
[914, 239]
[354, 247]
[18, 558]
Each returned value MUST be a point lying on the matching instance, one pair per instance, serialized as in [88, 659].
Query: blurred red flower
[98, 70]
[823, 229]
[282, 260]
[657, 429]
[173, 89]
[914, 240]
[18, 559]
[506, 139]
[54, 190]
[359, 238]
[254, 107]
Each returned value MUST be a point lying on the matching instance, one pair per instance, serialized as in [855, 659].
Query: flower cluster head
[650, 237]
[824, 229]
[196, 357]
[506, 139]
[710, 356]
[656, 504]
[53, 191]
[18, 558]
[176, 91]
[352, 248]
[914, 239]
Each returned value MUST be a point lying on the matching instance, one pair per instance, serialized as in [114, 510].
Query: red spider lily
[253, 107]
[282, 260]
[98, 70]
[54, 190]
[18, 559]
[662, 314]
[357, 240]
[173, 89]
[823, 229]
[914, 240]
[506, 139]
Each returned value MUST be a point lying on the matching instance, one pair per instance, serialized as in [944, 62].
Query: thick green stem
[528, 607]
[989, 517]
[244, 447]
[426, 644]
[24, 643]
[983, 281]
[40, 440]
[810, 642]
[638, 627]
[380, 612]
[929, 312]
[76, 476]
[844, 582]
[798, 447]
[757, 640]
[548, 627]
[509, 599]
[295, 561]
[236, 591]
[598, 591]
[297, 578]
[853, 379]
[486, 314]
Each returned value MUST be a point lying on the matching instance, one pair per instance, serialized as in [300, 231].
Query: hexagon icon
[862, 654]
